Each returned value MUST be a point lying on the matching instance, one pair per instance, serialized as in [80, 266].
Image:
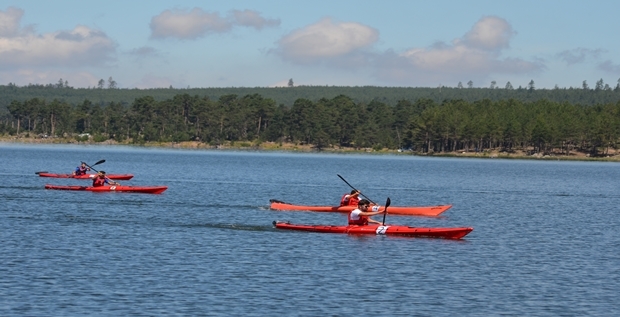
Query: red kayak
[393, 210]
[394, 230]
[113, 188]
[86, 176]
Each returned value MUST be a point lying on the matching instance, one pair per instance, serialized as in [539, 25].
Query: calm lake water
[546, 236]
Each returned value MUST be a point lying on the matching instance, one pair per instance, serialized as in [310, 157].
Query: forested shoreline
[600, 93]
[424, 125]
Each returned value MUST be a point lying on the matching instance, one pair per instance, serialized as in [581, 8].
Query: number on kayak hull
[381, 229]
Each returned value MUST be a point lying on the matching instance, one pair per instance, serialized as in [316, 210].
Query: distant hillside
[288, 95]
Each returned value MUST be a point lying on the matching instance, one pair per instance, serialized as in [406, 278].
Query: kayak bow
[393, 210]
[113, 188]
[395, 230]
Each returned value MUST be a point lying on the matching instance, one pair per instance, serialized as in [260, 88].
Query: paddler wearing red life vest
[351, 199]
[101, 180]
[361, 216]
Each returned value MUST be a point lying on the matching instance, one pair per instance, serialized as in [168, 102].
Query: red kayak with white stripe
[86, 176]
[431, 211]
[393, 230]
[112, 188]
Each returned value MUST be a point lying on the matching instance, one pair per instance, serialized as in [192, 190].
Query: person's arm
[374, 221]
[371, 213]
[111, 182]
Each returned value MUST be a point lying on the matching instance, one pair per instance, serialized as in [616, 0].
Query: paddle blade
[99, 162]
[40, 172]
[387, 204]
[92, 168]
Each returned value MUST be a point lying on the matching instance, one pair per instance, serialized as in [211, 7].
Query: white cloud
[187, 25]
[474, 56]
[326, 40]
[27, 57]
[9, 21]
[144, 51]
[253, 19]
[22, 48]
[197, 23]
[79, 47]
[489, 33]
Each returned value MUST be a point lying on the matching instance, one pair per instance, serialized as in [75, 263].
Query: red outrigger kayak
[113, 188]
[396, 230]
[86, 176]
[393, 210]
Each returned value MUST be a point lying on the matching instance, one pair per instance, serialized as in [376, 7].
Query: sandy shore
[291, 147]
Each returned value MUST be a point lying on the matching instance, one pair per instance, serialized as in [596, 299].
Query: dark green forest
[600, 93]
[425, 120]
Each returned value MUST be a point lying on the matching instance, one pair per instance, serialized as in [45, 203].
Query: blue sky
[235, 43]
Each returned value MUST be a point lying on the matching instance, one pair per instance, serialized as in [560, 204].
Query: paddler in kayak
[351, 199]
[101, 180]
[361, 216]
[81, 170]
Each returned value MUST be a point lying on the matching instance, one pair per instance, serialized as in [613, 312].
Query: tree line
[424, 125]
[108, 92]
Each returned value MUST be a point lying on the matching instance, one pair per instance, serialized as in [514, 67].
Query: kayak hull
[86, 176]
[430, 211]
[114, 188]
[392, 230]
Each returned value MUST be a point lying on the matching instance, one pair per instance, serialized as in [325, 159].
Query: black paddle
[98, 162]
[370, 200]
[387, 203]
[91, 167]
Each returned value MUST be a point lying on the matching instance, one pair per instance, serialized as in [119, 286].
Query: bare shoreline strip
[296, 148]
